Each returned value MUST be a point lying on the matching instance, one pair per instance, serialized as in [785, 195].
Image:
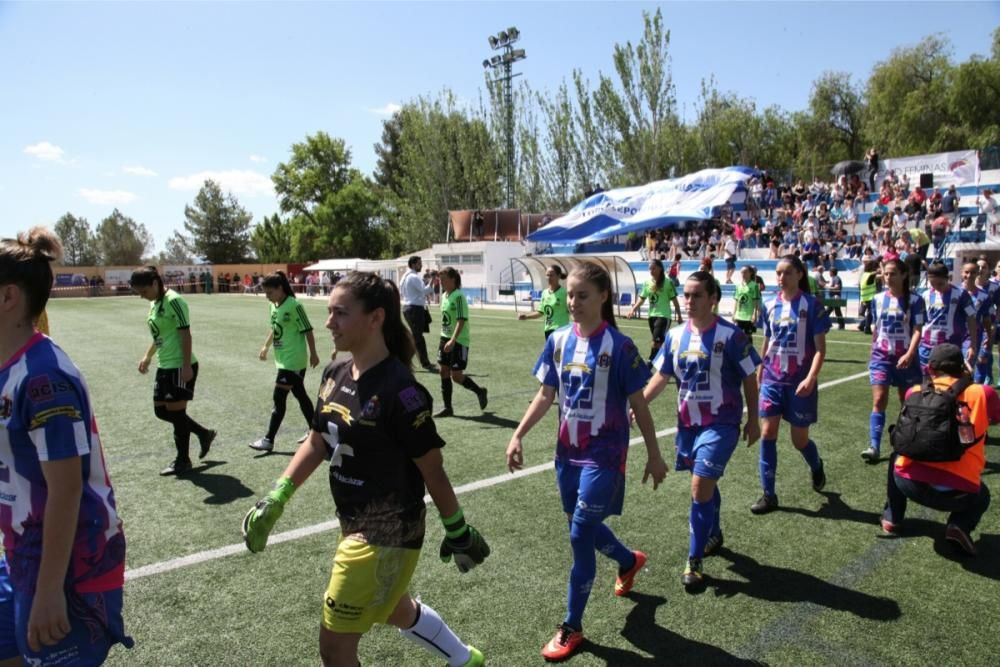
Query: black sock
[470, 384]
[182, 434]
[305, 403]
[280, 399]
[196, 428]
[446, 388]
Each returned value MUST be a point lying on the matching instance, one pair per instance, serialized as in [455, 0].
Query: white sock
[433, 634]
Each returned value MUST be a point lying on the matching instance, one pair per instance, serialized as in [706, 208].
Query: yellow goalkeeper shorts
[366, 584]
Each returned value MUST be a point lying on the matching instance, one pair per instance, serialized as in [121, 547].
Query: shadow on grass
[642, 631]
[490, 419]
[992, 441]
[781, 584]
[224, 489]
[836, 509]
[991, 467]
[986, 564]
[844, 361]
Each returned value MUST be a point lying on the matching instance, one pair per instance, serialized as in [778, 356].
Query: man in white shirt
[415, 291]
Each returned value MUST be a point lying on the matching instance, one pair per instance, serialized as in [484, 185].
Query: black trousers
[416, 317]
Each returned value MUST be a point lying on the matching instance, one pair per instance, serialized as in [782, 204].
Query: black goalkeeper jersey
[373, 428]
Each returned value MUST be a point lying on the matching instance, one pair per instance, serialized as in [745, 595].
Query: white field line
[307, 531]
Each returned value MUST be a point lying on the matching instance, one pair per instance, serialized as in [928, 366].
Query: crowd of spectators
[820, 222]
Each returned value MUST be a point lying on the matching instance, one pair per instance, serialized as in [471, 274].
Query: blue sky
[134, 104]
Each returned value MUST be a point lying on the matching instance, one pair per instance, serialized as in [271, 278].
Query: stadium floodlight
[503, 63]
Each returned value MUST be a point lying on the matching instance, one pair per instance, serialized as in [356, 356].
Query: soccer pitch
[813, 583]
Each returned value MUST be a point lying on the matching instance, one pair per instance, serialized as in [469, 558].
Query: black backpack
[927, 428]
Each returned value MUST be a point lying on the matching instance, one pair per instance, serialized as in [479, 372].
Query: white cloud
[258, 158]
[107, 197]
[238, 181]
[43, 150]
[139, 170]
[387, 110]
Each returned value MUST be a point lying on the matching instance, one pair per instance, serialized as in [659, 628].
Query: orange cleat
[562, 646]
[623, 584]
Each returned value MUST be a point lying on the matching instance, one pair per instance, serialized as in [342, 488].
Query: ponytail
[375, 292]
[145, 276]
[26, 261]
[797, 264]
[663, 276]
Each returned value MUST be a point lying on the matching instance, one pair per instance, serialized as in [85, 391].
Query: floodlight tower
[501, 64]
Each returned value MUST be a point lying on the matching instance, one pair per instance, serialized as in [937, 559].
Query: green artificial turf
[811, 584]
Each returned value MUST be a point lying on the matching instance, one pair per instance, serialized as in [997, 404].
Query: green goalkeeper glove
[463, 542]
[259, 521]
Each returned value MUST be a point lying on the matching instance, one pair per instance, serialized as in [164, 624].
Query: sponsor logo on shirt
[719, 347]
[342, 410]
[574, 366]
[604, 361]
[62, 411]
[411, 399]
[327, 389]
[42, 390]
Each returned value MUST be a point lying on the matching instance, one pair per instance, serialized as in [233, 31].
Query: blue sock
[581, 576]
[700, 525]
[875, 425]
[811, 455]
[717, 505]
[768, 464]
[608, 544]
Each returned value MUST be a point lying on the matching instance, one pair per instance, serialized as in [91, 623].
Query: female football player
[794, 347]
[60, 525]
[177, 370]
[453, 350]
[711, 360]
[897, 318]
[661, 294]
[374, 425]
[598, 373]
[553, 303]
[291, 333]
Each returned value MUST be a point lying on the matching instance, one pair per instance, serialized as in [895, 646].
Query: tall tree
[908, 99]
[556, 161]
[637, 116]
[837, 108]
[121, 241]
[79, 245]
[218, 225]
[177, 250]
[272, 240]
[334, 208]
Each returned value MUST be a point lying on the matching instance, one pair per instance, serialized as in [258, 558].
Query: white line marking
[307, 531]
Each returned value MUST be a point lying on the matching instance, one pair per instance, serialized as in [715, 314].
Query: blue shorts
[886, 373]
[705, 451]
[590, 494]
[95, 626]
[780, 400]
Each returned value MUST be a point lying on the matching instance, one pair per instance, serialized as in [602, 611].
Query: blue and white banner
[697, 196]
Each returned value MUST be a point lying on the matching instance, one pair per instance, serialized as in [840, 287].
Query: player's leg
[879, 375]
[459, 362]
[569, 633]
[803, 413]
[447, 388]
[771, 406]
[711, 451]
[423, 626]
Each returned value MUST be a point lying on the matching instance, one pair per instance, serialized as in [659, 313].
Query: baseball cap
[947, 358]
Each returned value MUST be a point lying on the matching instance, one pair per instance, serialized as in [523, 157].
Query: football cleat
[562, 646]
[176, 468]
[206, 443]
[766, 503]
[714, 543]
[954, 534]
[623, 584]
[694, 575]
[262, 445]
[870, 455]
[819, 477]
[476, 658]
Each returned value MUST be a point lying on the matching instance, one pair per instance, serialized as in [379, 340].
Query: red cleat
[562, 646]
[623, 584]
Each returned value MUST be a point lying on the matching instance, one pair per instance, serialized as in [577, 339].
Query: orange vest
[965, 473]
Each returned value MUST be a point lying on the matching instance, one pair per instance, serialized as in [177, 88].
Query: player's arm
[973, 329]
[459, 325]
[258, 522]
[48, 622]
[539, 406]
[267, 344]
[311, 342]
[911, 351]
[186, 371]
[147, 358]
[654, 387]
[677, 309]
[635, 309]
[460, 539]
[656, 467]
[808, 385]
[766, 343]
[533, 315]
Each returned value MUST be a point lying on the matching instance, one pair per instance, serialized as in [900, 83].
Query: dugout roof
[623, 279]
